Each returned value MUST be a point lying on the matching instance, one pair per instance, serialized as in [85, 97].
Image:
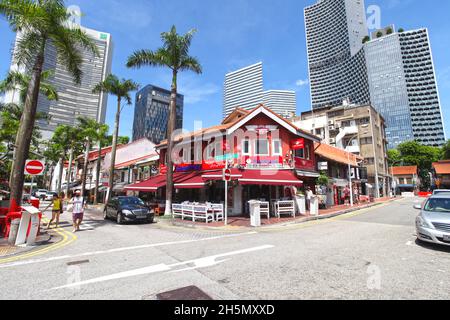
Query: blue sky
[233, 34]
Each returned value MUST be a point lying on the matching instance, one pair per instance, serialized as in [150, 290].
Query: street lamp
[349, 165]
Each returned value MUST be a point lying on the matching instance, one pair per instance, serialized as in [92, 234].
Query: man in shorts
[78, 210]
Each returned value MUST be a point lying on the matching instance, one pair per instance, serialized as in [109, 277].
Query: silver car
[433, 222]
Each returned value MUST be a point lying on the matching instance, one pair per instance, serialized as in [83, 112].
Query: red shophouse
[267, 155]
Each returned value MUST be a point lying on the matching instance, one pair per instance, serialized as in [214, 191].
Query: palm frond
[147, 58]
[28, 45]
[191, 64]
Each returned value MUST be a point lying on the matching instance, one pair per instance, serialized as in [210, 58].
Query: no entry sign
[34, 167]
[227, 175]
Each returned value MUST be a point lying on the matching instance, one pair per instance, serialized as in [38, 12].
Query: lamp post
[349, 165]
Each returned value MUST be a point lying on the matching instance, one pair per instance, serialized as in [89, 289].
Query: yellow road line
[68, 238]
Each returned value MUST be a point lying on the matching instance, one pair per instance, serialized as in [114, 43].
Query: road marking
[409, 243]
[153, 245]
[198, 263]
[68, 238]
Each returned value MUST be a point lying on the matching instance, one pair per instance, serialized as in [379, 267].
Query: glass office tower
[152, 112]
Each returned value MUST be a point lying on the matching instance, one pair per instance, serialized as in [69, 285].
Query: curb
[44, 239]
[276, 226]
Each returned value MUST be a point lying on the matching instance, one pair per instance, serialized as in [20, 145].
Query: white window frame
[280, 153]
[256, 147]
[249, 147]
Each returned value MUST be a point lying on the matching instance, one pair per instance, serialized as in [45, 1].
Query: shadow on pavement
[432, 246]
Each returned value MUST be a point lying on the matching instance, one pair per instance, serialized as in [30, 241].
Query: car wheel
[105, 214]
[151, 220]
[119, 218]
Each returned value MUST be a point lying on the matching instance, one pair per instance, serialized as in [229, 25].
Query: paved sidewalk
[244, 222]
[7, 250]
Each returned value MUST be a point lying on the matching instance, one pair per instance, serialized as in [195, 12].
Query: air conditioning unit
[331, 128]
[332, 140]
[331, 122]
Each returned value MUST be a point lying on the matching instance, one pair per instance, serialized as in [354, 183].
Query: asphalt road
[369, 255]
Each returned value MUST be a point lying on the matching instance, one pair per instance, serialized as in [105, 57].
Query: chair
[218, 211]
[264, 209]
[177, 210]
[285, 208]
[188, 211]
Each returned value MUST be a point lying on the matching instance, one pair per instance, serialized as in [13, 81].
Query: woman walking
[78, 206]
[56, 210]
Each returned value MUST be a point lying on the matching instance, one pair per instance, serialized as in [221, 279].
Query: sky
[233, 34]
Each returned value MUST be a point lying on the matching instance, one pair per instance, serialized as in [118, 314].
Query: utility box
[29, 226]
[255, 213]
[301, 204]
[314, 210]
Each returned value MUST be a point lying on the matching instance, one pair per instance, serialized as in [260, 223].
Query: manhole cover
[187, 294]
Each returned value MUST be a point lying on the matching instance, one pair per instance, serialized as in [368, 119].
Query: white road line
[146, 246]
[409, 243]
[198, 263]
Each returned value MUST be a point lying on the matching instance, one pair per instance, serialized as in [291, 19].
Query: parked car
[128, 209]
[27, 197]
[433, 222]
[41, 194]
[441, 191]
[49, 196]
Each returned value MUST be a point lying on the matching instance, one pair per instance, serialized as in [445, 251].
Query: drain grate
[74, 263]
[185, 294]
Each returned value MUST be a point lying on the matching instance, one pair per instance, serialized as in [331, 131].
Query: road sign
[227, 175]
[34, 167]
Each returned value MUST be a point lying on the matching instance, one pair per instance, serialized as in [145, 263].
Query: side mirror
[418, 207]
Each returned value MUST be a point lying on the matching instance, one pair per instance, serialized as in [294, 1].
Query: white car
[49, 196]
[433, 222]
[41, 194]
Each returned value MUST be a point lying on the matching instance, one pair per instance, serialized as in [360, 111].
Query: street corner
[46, 241]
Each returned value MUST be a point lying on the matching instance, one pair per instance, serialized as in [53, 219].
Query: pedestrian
[56, 210]
[346, 196]
[309, 195]
[78, 207]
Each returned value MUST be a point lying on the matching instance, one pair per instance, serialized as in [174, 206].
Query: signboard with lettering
[298, 144]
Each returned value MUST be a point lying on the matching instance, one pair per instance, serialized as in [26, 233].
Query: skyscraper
[393, 72]
[282, 102]
[335, 30]
[74, 100]
[244, 88]
[403, 87]
[151, 113]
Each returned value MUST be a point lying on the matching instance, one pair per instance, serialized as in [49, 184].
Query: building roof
[442, 167]
[93, 155]
[335, 154]
[403, 171]
[234, 118]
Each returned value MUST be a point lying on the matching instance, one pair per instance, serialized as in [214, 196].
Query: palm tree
[174, 55]
[121, 89]
[91, 130]
[102, 140]
[17, 81]
[39, 23]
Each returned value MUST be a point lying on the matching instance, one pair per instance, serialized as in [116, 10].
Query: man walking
[79, 206]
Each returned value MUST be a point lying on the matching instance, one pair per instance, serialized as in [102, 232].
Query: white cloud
[302, 83]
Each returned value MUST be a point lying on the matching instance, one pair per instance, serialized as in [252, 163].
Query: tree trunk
[24, 134]
[85, 167]
[61, 168]
[97, 172]
[52, 171]
[113, 152]
[69, 172]
[171, 125]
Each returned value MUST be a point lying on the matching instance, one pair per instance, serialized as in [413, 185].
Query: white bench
[177, 210]
[285, 208]
[201, 212]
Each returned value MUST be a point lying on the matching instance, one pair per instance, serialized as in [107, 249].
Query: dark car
[128, 209]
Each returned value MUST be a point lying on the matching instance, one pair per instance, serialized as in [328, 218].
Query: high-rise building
[392, 71]
[281, 101]
[151, 113]
[335, 30]
[75, 100]
[403, 86]
[244, 88]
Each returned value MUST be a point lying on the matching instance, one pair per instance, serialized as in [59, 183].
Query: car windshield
[130, 201]
[438, 205]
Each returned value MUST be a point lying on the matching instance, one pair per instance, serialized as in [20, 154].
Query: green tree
[121, 89]
[379, 34]
[40, 23]
[120, 140]
[394, 158]
[366, 39]
[446, 151]
[102, 140]
[174, 54]
[389, 31]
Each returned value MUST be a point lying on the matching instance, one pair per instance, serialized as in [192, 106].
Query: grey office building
[74, 100]
[152, 112]
[335, 30]
[403, 87]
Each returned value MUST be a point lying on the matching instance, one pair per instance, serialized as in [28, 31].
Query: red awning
[218, 175]
[150, 185]
[270, 177]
